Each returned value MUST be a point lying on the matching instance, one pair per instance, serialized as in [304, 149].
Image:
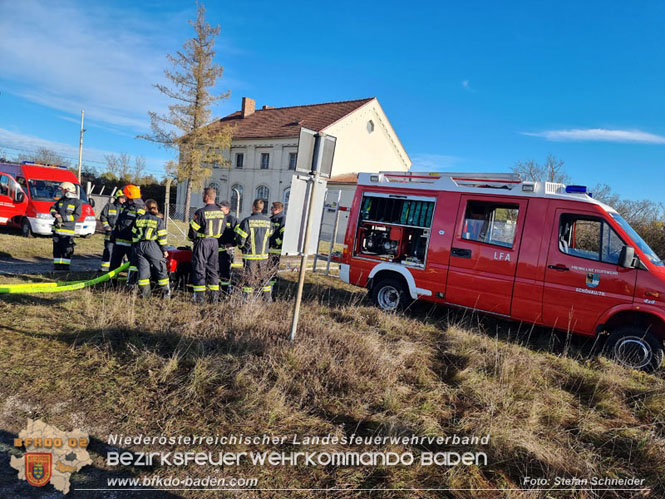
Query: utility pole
[81, 146]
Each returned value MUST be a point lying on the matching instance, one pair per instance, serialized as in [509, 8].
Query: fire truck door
[483, 257]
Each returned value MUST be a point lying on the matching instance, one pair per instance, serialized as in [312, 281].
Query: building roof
[346, 178]
[287, 121]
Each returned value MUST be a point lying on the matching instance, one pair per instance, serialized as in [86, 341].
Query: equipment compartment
[394, 229]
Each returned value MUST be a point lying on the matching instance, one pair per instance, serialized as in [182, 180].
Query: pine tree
[191, 81]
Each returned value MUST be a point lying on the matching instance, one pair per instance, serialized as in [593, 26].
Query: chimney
[248, 106]
[268, 107]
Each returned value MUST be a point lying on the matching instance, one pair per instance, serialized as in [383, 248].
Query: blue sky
[468, 86]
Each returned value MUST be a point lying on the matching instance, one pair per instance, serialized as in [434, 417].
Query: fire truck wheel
[635, 348]
[389, 295]
[26, 229]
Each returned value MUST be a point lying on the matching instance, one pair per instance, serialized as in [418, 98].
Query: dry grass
[111, 363]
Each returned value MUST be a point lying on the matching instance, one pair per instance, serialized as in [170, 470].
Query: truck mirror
[626, 257]
[91, 202]
[20, 197]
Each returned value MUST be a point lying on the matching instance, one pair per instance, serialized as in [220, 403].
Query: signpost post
[315, 156]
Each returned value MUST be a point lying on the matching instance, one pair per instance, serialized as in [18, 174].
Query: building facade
[262, 157]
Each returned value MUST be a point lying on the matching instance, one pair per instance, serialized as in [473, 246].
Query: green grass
[108, 362]
[13, 245]
[177, 233]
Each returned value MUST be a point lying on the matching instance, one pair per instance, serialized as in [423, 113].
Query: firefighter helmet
[132, 191]
[119, 194]
[68, 187]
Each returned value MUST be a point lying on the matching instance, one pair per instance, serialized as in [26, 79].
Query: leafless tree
[45, 156]
[550, 171]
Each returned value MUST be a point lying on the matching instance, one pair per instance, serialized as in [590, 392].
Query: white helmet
[68, 188]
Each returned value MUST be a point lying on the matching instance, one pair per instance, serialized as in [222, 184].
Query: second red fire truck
[537, 252]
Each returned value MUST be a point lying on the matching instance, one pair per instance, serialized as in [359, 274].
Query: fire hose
[57, 287]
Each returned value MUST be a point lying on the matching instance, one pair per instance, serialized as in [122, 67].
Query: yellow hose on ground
[57, 287]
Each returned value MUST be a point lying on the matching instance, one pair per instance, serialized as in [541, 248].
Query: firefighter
[226, 247]
[150, 250]
[252, 236]
[122, 235]
[278, 219]
[205, 229]
[66, 211]
[108, 218]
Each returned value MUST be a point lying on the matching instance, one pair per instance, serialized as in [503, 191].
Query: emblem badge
[37, 468]
[592, 279]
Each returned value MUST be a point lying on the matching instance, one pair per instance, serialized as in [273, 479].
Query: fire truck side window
[4, 185]
[490, 223]
[589, 238]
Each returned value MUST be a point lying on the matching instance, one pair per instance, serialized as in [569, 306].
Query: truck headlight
[45, 216]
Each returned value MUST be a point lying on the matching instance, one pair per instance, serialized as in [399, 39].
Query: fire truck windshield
[49, 190]
[637, 239]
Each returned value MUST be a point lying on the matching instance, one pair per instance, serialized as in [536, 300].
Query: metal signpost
[315, 156]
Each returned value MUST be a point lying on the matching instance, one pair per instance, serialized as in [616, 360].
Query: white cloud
[73, 55]
[27, 143]
[467, 86]
[599, 135]
[433, 162]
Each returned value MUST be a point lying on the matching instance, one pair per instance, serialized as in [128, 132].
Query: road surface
[17, 266]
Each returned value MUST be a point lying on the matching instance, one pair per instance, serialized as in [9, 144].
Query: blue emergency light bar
[576, 188]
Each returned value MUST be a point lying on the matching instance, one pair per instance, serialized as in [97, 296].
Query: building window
[240, 159]
[292, 160]
[287, 195]
[236, 202]
[215, 186]
[265, 160]
[490, 223]
[370, 126]
[262, 192]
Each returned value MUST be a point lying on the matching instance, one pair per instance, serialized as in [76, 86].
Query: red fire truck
[13, 202]
[539, 252]
[39, 186]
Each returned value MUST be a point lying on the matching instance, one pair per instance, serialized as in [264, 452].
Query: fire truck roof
[507, 184]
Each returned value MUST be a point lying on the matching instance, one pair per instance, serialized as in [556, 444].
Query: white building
[265, 144]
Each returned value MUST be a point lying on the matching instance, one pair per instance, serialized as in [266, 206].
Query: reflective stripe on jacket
[149, 227]
[206, 222]
[70, 210]
[278, 220]
[131, 211]
[109, 215]
[228, 237]
[253, 235]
